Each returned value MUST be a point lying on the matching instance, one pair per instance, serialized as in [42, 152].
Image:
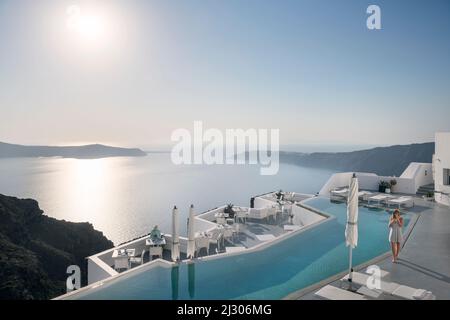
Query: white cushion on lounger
[265, 237]
[234, 249]
[413, 293]
[361, 279]
[290, 227]
[334, 293]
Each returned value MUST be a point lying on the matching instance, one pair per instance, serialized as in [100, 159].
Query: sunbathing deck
[424, 262]
[247, 233]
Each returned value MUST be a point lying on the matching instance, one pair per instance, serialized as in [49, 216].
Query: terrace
[424, 261]
[216, 233]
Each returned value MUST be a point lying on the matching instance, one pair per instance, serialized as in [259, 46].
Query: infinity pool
[273, 273]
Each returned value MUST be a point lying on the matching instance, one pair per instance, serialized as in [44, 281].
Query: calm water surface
[125, 197]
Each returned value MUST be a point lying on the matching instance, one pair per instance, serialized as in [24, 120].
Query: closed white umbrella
[351, 228]
[191, 234]
[175, 235]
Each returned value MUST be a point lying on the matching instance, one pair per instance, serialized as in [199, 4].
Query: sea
[126, 197]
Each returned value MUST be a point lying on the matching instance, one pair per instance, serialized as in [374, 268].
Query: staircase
[424, 190]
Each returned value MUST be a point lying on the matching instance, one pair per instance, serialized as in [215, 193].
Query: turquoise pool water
[273, 273]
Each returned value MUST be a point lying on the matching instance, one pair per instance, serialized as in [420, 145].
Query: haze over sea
[125, 197]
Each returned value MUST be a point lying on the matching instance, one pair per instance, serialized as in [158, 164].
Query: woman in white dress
[395, 233]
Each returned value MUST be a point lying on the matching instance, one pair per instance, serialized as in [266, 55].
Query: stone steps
[424, 190]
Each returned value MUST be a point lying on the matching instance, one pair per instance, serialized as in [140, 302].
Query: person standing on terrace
[395, 233]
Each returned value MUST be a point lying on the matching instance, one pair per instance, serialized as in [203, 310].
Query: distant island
[387, 161]
[35, 250]
[92, 151]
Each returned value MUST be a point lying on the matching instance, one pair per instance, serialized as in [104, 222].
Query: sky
[137, 70]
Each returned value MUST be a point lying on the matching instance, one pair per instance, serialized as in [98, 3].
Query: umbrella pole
[350, 269]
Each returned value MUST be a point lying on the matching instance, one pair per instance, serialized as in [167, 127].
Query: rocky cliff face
[35, 250]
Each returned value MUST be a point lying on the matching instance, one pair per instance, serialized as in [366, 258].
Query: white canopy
[175, 235]
[351, 229]
[191, 234]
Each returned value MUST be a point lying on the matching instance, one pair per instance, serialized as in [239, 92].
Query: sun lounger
[362, 280]
[343, 193]
[392, 288]
[378, 198]
[364, 195]
[291, 227]
[408, 202]
[265, 237]
[333, 293]
[234, 249]
[409, 293]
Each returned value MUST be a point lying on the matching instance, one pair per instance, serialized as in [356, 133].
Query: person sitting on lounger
[395, 233]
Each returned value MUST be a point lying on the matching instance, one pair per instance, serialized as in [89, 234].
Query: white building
[441, 162]
[415, 176]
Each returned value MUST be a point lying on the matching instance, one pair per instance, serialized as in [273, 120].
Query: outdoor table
[122, 257]
[155, 246]
[155, 242]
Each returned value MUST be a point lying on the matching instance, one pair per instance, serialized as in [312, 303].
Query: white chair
[122, 263]
[138, 260]
[216, 237]
[272, 212]
[241, 216]
[228, 234]
[258, 213]
[201, 242]
[289, 196]
[155, 251]
[221, 220]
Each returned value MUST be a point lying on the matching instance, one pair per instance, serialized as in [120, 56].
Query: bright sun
[90, 28]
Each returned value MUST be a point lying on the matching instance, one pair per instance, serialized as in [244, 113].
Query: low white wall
[210, 215]
[98, 270]
[416, 175]
[421, 173]
[441, 162]
[202, 225]
[263, 203]
[305, 217]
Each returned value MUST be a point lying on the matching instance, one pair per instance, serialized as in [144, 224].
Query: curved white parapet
[415, 176]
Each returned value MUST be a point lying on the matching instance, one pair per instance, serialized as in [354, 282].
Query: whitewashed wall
[263, 203]
[305, 217]
[408, 183]
[441, 162]
[98, 270]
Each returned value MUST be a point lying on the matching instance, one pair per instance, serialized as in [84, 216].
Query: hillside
[92, 151]
[35, 250]
[382, 160]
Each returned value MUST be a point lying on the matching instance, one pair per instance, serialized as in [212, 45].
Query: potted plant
[392, 183]
[279, 195]
[382, 186]
[429, 196]
[229, 210]
[388, 188]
